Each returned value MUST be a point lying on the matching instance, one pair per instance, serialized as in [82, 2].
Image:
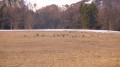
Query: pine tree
[88, 15]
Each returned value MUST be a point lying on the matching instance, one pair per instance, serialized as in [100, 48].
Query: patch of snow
[55, 30]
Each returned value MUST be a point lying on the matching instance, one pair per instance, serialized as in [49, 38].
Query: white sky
[42, 3]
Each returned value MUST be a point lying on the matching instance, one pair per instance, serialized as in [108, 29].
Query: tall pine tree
[88, 15]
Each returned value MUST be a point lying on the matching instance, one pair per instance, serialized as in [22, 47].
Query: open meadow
[59, 49]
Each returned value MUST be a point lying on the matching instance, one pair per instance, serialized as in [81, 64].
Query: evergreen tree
[88, 15]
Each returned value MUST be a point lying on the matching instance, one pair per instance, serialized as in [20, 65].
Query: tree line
[103, 14]
[15, 14]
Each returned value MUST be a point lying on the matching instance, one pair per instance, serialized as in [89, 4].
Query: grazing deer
[83, 36]
[25, 36]
[70, 32]
[72, 36]
[37, 34]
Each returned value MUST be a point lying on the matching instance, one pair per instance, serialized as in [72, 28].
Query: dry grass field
[59, 49]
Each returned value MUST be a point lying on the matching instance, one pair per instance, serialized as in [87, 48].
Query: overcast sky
[42, 3]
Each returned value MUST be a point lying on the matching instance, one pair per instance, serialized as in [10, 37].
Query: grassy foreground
[59, 49]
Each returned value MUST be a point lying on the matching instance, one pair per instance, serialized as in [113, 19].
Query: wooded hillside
[102, 14]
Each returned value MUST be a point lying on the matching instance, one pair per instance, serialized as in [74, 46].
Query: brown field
[59, 49]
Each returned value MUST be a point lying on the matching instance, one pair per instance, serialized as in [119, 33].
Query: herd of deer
[60, 35]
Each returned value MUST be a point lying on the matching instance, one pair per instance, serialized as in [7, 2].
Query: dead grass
[59, 49]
